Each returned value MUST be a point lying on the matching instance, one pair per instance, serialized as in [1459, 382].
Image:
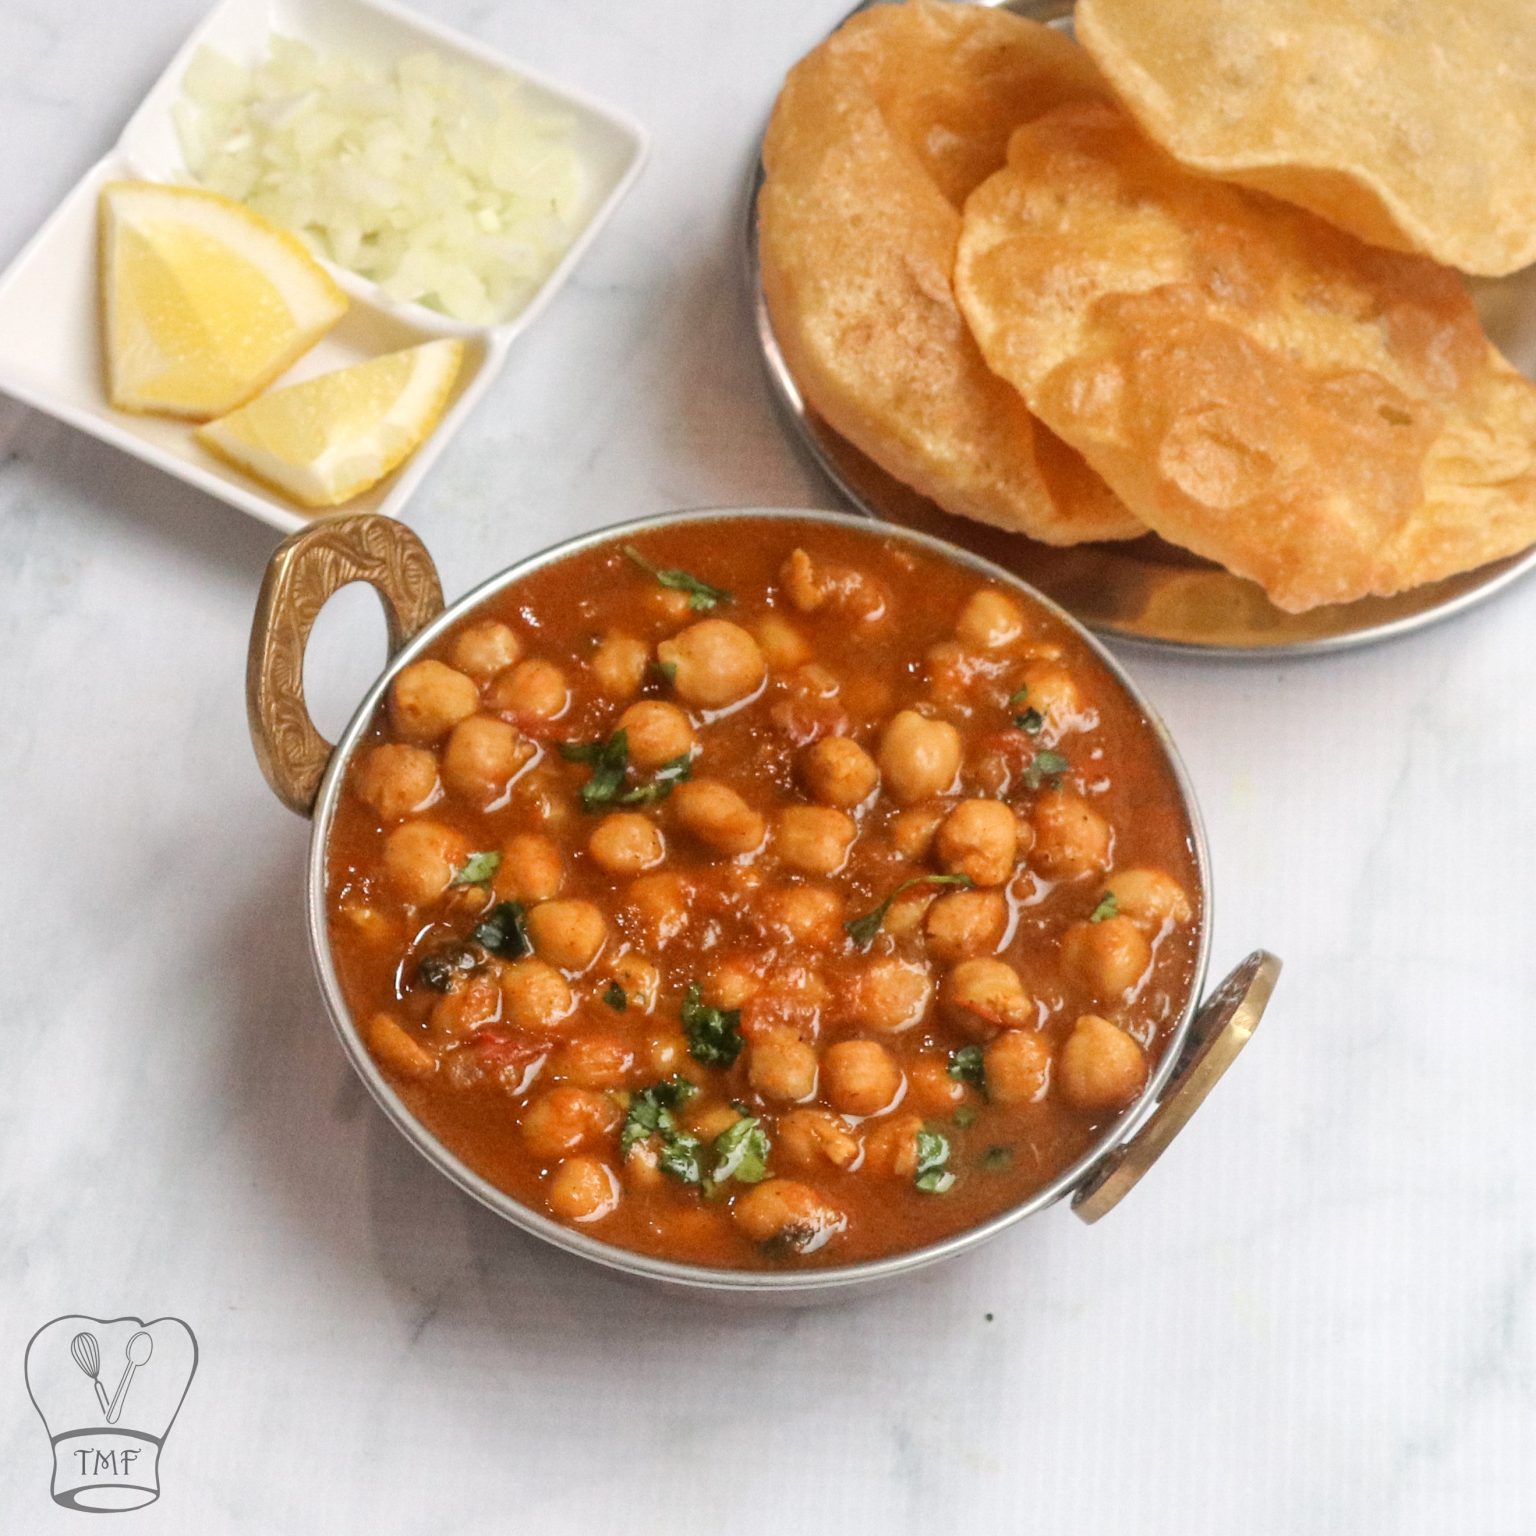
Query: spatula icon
[87, 1353]
[138, 1350]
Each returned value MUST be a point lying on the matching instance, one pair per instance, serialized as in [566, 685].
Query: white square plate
[50, 351]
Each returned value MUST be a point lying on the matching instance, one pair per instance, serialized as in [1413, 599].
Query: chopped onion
[444, 185]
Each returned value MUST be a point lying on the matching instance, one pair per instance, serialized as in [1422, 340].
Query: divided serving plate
[50, 349]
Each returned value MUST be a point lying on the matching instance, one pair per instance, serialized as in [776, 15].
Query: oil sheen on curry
[762, 893]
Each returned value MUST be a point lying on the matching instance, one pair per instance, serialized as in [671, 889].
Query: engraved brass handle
[1221, 1029]
[305, 571]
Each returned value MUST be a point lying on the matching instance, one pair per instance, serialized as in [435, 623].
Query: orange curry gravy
[658, 1017]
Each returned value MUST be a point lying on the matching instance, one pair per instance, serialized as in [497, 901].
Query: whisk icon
[87, 1353]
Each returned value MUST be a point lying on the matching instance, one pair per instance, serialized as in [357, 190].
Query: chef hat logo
[108, 1392]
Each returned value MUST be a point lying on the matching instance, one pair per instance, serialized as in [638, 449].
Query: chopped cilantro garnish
[1045, 768]
[862, 930]
[665, 670]
[965, 1116]
[1109, 906]
[931, 1176]
[741, 1152]
[650, 1114]
[995, 1159]
[503, 931]
[442, 967]
[478, 869]
[609, 761]
[714, 1034]
[701, 596]
[669, 774]
[1031, 719]
[967, 1065]
[616, 997]
[678, 1155]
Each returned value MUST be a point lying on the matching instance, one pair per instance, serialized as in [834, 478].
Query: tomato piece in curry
[763, 892]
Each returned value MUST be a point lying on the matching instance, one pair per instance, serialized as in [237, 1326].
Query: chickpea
[717, 663]
[890, 994]
[810, 583]
[1018, 1066]
[1101, 1066]
[784, 1211]
[861, 1077]
[912, 832]
[730, 982]
[780, 1065]
[930, 1088]
[421, 858]
[666, 1051]
[814, 839]
[428, 699]
[618, 665]
[1150, 898]
[657, 733]
[626, 843]
[1071, 838]
[570, 934]
[711, 1120]
[904, 917]
[1106, 958]
[482, 758]
[966, 923]
[804, 914]
[371, 925]
[533, 690]
[641, 1167]
[393, 780]
[890, 1150]
[990, 621]
[595, 1061]
[1051, 689]
[639, 980]
[530, 870]
[660, 904]
[484, 649]
[584, 1189]
[567, 1119]
[919, 757]
[536, 995]
[838, 771]
[718, 816]
[397, 1049]
[979, 838]
[669, 604]
[784, 647]
[471, 1007]
[814, 1138]
[984, 995]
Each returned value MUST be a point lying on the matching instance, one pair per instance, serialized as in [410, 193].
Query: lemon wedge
[203, 302]
[330, 438]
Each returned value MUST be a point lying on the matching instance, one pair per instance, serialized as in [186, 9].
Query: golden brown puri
[874, 143]
[1409, 123]
[1322, 416]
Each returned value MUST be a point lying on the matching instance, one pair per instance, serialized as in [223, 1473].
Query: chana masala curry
[762, 892]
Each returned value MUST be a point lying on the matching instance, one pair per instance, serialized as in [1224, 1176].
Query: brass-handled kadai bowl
[309, 775]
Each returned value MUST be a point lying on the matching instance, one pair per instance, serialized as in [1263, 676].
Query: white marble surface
[1315, 1318]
